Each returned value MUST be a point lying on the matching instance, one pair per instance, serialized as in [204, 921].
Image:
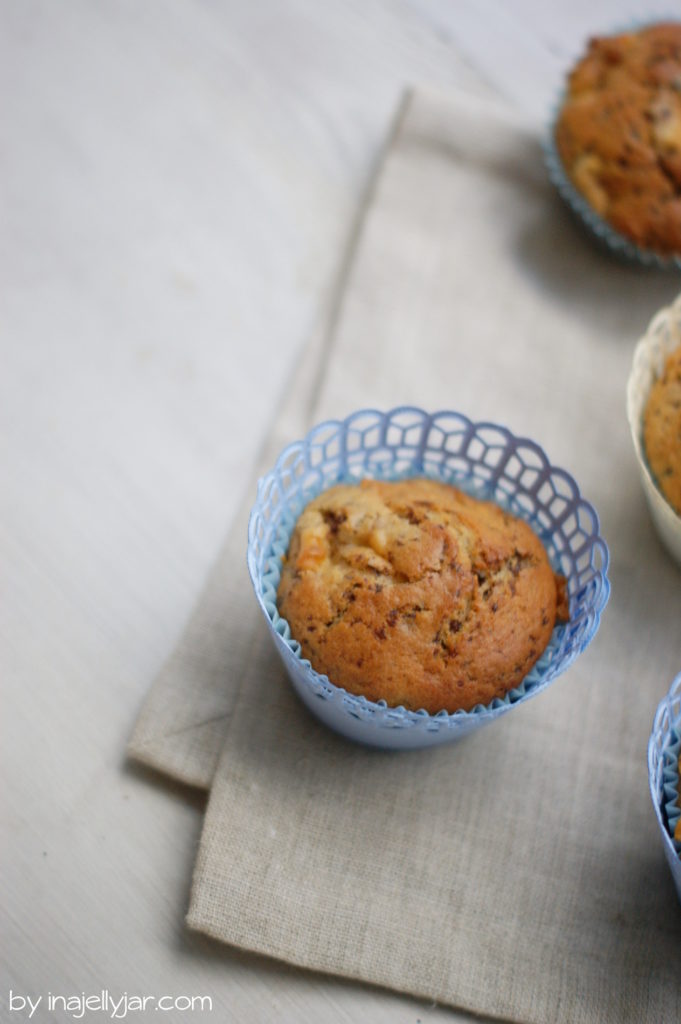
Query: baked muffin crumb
[618, 133]
[417, 594]
[662, 430]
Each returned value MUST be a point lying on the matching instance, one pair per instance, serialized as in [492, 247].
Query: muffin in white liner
[664, 749]
[661, 338]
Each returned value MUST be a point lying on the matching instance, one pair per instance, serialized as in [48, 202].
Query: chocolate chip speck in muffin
[417, 594]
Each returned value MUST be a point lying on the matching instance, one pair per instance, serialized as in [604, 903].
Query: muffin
[618, 134]
[414, 593]
[662, 430]
[661, 339]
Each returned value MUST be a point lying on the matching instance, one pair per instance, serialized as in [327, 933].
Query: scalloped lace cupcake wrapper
[670, 782]
[483, 459]
[600, 228]
[664, 753]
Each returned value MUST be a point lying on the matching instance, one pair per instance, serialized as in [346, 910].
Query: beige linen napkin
[183, 722]
[182, 725]
[517, 873]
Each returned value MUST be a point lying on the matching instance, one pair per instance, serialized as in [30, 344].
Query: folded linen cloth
[517, 873]
[182, 725]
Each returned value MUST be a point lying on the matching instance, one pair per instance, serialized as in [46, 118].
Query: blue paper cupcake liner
[486, 461]
[617, 243]
[664, 749]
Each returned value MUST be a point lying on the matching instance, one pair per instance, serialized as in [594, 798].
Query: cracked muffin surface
[618, 133]
[417, 594]
[662, 430]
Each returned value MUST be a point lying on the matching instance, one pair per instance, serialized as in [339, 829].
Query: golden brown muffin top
[619, 133]
[662, 430]
[417, 594]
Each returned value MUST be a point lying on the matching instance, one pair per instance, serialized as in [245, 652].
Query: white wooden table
[178, 181]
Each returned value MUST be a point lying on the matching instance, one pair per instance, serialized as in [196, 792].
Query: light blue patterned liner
[600, 228]
[484, 459]
[663, 774]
